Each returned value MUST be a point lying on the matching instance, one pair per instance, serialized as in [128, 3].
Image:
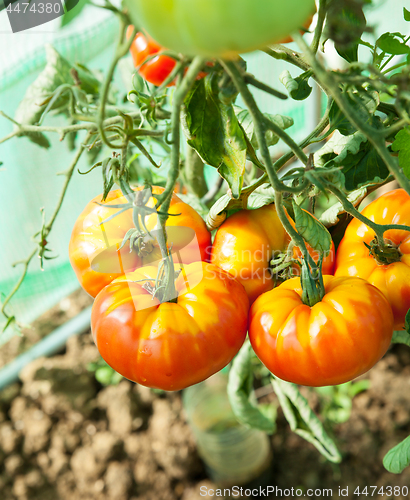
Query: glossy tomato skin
[155, 70]
[94, 247]
[171, 346]
[333, 342]
[354, 259]
[219, 28]
[245, 243]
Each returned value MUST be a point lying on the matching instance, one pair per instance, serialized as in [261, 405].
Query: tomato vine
[361, 142]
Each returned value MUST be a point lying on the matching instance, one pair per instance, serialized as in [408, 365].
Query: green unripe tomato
[219, 28]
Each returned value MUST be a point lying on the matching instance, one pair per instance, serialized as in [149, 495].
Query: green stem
[121, 51]
[313, 287]
[194, 173]
[321, 14]
[164, 200]
[63, 131]
[287, 140]
[392, 56]
[68, 174]
[178, 99]
[396, 127]
[395, 66]
[281, 53]
[281, 162]
[251, 80]
[261, 124]
[170, 78]
[374, 136]
[379, 229]
[18, 283]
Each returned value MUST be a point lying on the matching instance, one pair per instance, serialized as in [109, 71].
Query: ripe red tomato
[244, 246]
[171, 346]
[336, 340]
[354, 259]
[155, 70]
[94, 246]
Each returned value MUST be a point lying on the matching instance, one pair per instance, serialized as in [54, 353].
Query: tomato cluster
[177, 343]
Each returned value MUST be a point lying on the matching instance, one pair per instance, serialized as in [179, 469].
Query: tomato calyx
[280, 265]
[384, 254]
[312, 283]
[163, 288]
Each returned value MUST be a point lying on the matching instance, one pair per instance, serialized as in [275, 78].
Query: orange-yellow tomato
[94, 250]
[354, 259]
[336, 340]
[245, 244]
[171, 346]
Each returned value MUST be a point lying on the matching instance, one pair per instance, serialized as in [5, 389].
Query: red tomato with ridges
[247, 241]
[336, 340]
[94, 246]
[171, 346]
[354, 259]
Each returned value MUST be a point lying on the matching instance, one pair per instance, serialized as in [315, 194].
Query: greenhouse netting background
[28, 179]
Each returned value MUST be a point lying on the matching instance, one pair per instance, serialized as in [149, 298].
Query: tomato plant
[336, 340]
[385, 265]
[171, 345]
[95, 246]
[153, 69]
[246, 243]
[273, 197]
[214, 29]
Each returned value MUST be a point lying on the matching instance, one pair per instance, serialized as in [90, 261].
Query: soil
[65, 436]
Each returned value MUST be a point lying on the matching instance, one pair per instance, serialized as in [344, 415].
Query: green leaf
[367, 167]
[338, 121]
[402, 145]
[401, 337]
[407, 322]
[239, 392]
[55, 74]
[88, 81]
[391, 45]
[312, 230]
[366, 104]
[213, 130]
[58, 73]
[345, 25]
[350, 55]
[339, 146]
[398, 458]
[330, 216]
[30, 110]
[361, 164]
[292, 401]
[265, 195]
[246, 122]
[298, 88]
[217, 213]
[72, 11]
[406, 14]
